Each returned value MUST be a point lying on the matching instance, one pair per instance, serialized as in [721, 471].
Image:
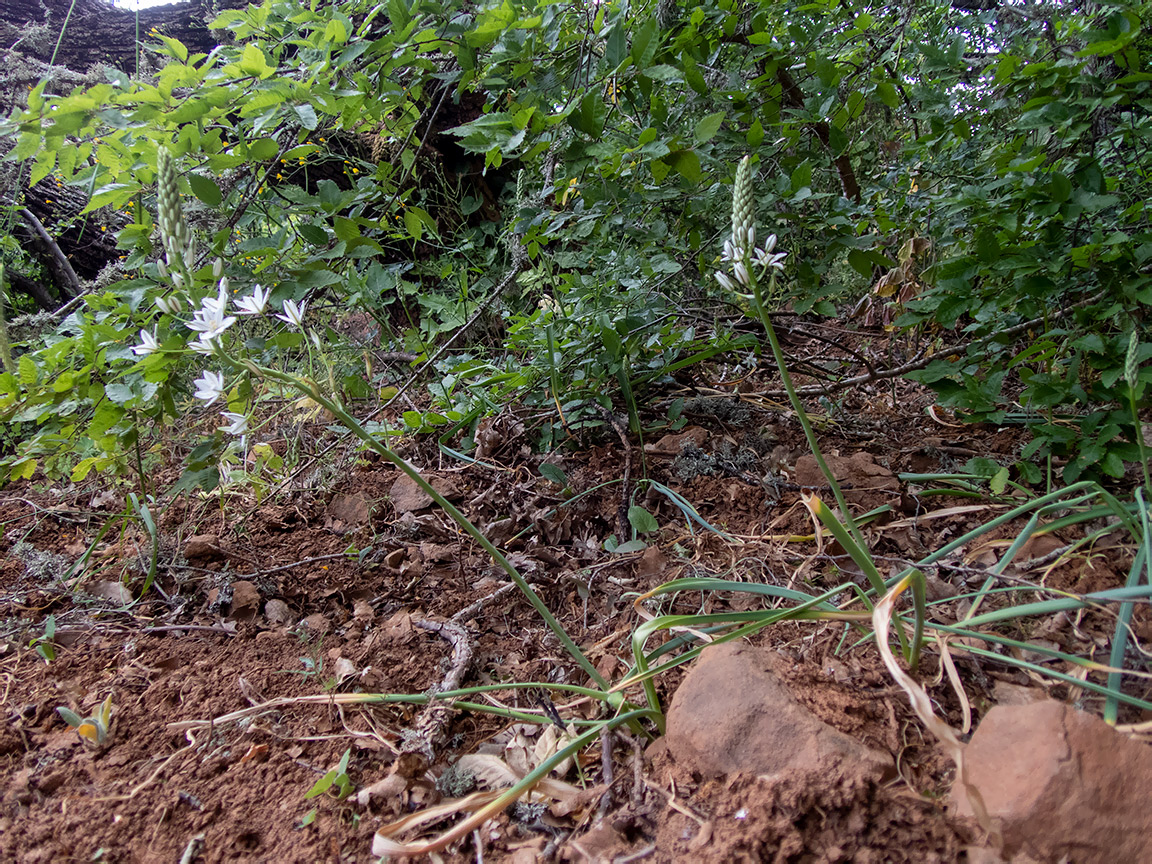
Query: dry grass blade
[922, 705]
[949, 666]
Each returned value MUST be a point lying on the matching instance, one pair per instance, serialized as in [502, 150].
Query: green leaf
[755, 134]
[615, 46]
[861, 263]
[693, 76]
[708, 126]
[553, 473]
[1060, 187]
[262, 149]
[886, 90]
[205, 478]
[346, 229]
[987, 246]
[205, 189]
[629, 547]
[644, 44]
[253, 62]
[641, 520]
[26, 370]
[802, 176]
[322, 785]
[177, 48]
[307, 115]
[687, 163]
[413, 224]
[314, 234]
[589, 118]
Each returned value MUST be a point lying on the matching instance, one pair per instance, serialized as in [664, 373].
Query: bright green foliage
[1015, 143]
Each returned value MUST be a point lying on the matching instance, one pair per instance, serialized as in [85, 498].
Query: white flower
[745, 237]
[168, 305]
[209, 319]
[293, 313]
[211, 387]
[770, 243]
[237, 423]
[767, 260]
[147, 345]
[732, 252]
[203, 346]
[725, 283]
[740, 271]
[255, 303]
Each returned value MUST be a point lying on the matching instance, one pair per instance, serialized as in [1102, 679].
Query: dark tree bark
[95, 31]
[794, 98]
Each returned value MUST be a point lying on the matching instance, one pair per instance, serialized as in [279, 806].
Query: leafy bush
[364, 156]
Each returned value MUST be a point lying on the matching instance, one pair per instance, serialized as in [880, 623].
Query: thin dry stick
[923, 360]
[430, 730]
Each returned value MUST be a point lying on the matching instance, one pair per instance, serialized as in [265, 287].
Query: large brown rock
[1063, 784]
[859, 475]
[734, 713]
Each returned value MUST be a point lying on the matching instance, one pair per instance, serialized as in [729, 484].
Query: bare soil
[267, 604]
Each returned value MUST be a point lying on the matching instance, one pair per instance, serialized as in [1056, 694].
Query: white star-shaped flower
[147, 345]
[210, 387]
[209, 320]
[237, 423]
[255, 303]
[294, 313]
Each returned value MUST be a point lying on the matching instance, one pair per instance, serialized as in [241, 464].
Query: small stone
[346, 512]
[407, 496]
[278, 612]
[113, 592]
[316, 623]
[671, 445]
[1063, 784]
[734, 713]
[245, 597]
[204, 547]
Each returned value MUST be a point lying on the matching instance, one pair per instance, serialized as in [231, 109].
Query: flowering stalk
[1135, 387]
[175, 235]
[749, 266]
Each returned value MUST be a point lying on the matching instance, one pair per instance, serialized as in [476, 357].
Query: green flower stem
[311, 390]
[1139, 437]
[778, 356]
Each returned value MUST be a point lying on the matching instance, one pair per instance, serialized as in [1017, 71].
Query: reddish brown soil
[200, 646]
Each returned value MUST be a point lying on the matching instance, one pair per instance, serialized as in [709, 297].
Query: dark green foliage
[389, 158]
